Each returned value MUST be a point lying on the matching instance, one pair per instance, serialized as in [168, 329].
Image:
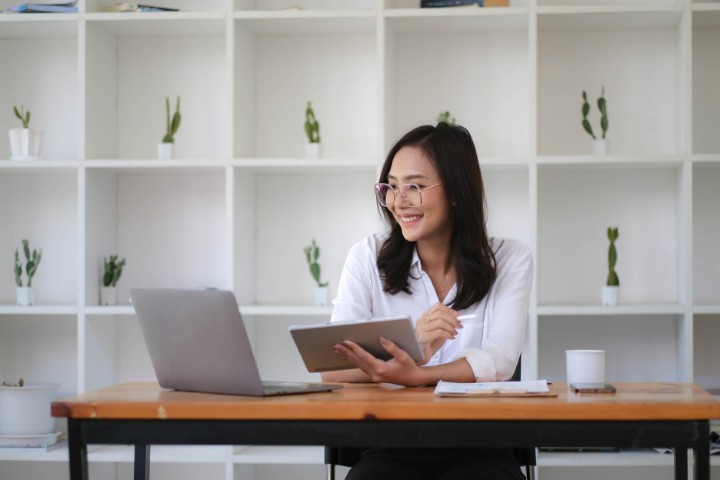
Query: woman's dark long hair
[452, 152]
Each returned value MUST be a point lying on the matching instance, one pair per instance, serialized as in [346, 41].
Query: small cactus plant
[612, 279]
[174, 124]
[312, 253]
[22, 115]
[312, 127]
[602, 106]
[112, 270]
[33, 260]
[444, 117]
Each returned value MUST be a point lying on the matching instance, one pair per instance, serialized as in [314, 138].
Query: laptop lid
[197, 342]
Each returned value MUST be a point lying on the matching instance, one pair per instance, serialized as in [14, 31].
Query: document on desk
[533, 388]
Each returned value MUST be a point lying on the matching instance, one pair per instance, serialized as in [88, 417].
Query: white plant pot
[25, 296]
[108, 295]
[165, 151]
[600, 147]
[610, 296]
[26, 410]
[312, 150]
[322, 296]
[25, 143]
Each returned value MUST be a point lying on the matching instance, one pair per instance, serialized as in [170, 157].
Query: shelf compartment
[160, 24]
[453, 20]
[41, 75]
[319, 165]
[599, 310]
[609, 17]
[705, 70]
[301, 7]
[316, 22]
[276, 74]
[280, 455]
[619, 336]
[52, 227]
[185, 6]
[706, 355]
[38, 25]
[52, 310]
[170, 227]
[572, 258]
[706, 231]
[126, 122]
[639, 458]
[622, 57]
[485, 89]
[163, 453]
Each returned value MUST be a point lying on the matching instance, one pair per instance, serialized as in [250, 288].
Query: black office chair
[349, 456]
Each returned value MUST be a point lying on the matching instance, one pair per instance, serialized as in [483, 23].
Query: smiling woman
[438, 265]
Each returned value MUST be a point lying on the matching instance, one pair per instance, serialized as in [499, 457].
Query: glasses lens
[385, 195]
[411, 194]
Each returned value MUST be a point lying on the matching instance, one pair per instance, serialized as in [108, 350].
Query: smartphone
[592, 387]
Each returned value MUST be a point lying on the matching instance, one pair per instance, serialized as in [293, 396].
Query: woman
[436, 264]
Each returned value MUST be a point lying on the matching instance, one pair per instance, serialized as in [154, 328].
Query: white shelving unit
[239, 203]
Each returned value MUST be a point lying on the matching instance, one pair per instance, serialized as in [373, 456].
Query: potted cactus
[611, 291]
[312, 130]
[165, 148]
[24, 142]
[112, 269]
[26, 294]
[25, 408]
[600, 145]
[322, 291]
[444, 117]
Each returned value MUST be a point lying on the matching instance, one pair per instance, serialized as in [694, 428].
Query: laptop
[197, 342]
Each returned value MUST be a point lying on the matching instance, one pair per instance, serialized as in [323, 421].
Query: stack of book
[48, 6]
[463, 3]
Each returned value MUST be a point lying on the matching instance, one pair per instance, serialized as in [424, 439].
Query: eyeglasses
[409, 192]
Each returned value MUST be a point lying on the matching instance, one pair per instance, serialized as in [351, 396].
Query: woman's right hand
[435, 327]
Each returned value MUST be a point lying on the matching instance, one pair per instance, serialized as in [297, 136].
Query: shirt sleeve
[354, 294]
[506, 313]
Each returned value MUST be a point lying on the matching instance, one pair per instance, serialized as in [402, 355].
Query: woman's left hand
[401, 369]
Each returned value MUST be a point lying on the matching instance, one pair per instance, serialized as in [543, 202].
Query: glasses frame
[399, 189]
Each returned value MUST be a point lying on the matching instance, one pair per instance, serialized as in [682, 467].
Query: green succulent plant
[22, 115]
[612, 279]
[602, 106]
[312, 127]
[31, 265]
[444, 117]
[172, 124]
[112, 270]
[312, 253]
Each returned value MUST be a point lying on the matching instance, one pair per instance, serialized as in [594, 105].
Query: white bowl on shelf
[26, 410]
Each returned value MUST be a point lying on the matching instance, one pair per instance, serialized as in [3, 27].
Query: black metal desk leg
[142, 462]
[77, 451]
[681, 463]
[701, 452]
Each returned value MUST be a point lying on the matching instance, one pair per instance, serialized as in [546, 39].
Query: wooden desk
[640, 415]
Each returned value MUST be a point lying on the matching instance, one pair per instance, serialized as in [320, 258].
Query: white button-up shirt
[491, 342]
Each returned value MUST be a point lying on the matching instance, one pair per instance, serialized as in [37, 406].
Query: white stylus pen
[468, 317]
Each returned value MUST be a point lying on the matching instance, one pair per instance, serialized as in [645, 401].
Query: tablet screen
[316, 342]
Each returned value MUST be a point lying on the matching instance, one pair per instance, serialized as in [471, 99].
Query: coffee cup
[585, 366]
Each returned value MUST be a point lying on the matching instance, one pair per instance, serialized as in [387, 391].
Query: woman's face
[431, 221]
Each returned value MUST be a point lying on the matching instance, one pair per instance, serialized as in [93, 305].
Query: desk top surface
[633, 401]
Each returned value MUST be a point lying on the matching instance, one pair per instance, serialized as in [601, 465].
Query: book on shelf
[50, 7]
[32, 443]
[463, 3]
[135, 7]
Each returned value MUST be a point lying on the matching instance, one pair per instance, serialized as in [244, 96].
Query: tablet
[316, 342]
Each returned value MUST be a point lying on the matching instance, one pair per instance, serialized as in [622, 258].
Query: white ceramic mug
[585, 366]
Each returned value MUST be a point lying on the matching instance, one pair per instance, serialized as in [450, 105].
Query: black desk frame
[680, 435]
